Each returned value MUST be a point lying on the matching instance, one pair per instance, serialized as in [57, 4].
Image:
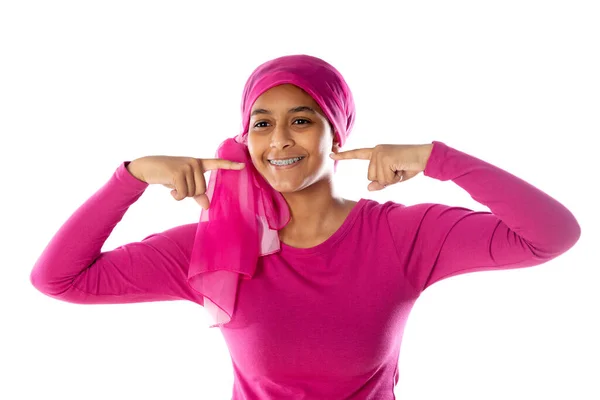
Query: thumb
[202, 200]
[375, 186]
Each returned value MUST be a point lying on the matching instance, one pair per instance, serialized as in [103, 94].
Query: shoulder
[374, 208]
[415, 215]
[182, 236]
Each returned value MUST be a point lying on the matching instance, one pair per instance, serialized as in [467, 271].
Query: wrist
[132, 168]
[427, 148]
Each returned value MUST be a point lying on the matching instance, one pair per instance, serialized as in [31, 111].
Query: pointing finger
[217, 163]
[356, 154]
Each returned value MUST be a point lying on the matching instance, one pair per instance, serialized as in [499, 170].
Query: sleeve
[525, 227]
[72, 267]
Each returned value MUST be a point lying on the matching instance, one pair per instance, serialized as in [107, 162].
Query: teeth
[286, 162]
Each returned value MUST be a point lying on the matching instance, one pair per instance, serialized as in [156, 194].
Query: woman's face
[285, 124]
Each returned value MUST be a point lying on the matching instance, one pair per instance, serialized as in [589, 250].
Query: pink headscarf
[245, 212]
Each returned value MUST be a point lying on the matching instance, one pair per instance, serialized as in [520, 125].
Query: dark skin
[282, 130]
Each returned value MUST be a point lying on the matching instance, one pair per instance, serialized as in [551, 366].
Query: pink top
[331, 326]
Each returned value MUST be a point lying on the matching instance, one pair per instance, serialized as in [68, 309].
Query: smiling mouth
[286, 162]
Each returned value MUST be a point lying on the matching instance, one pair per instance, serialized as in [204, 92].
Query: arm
[72, 267]
[525, 227]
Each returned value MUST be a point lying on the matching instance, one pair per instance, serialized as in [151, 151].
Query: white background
[86, 85]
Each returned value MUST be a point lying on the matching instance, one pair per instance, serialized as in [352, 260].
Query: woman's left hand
[390, 163]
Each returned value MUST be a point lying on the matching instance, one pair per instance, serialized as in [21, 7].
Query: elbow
[48, 282]
[49, 287]
[565, 238]
[556, 242]
[43, 282]
[37, 280]
[573, 233]
[34, 277]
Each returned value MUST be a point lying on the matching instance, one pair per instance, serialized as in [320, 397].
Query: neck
[313, 210]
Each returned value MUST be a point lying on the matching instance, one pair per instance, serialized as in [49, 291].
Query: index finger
[208, 164]
[357, 154]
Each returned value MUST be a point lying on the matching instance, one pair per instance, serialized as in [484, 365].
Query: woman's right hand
[185, 175]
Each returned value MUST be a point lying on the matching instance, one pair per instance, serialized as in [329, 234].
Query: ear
[336, 142]
[336, 147]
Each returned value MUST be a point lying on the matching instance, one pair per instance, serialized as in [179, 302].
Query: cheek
[325, 147]
[254, 150]
[251, 143]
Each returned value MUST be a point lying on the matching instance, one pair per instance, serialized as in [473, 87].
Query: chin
[285, 187]
[288, 186]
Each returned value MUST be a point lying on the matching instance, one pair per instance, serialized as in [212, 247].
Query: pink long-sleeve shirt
[324, 322]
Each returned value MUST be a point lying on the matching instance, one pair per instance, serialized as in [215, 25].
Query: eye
[305, 121]
[258, 124]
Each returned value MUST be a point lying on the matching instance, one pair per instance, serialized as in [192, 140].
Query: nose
[281, 138]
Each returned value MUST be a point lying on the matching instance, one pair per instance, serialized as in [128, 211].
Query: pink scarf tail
[240, 226]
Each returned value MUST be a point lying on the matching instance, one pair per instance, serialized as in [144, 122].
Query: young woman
[310, 290]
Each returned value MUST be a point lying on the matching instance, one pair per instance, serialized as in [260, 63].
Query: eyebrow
[291, 110]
